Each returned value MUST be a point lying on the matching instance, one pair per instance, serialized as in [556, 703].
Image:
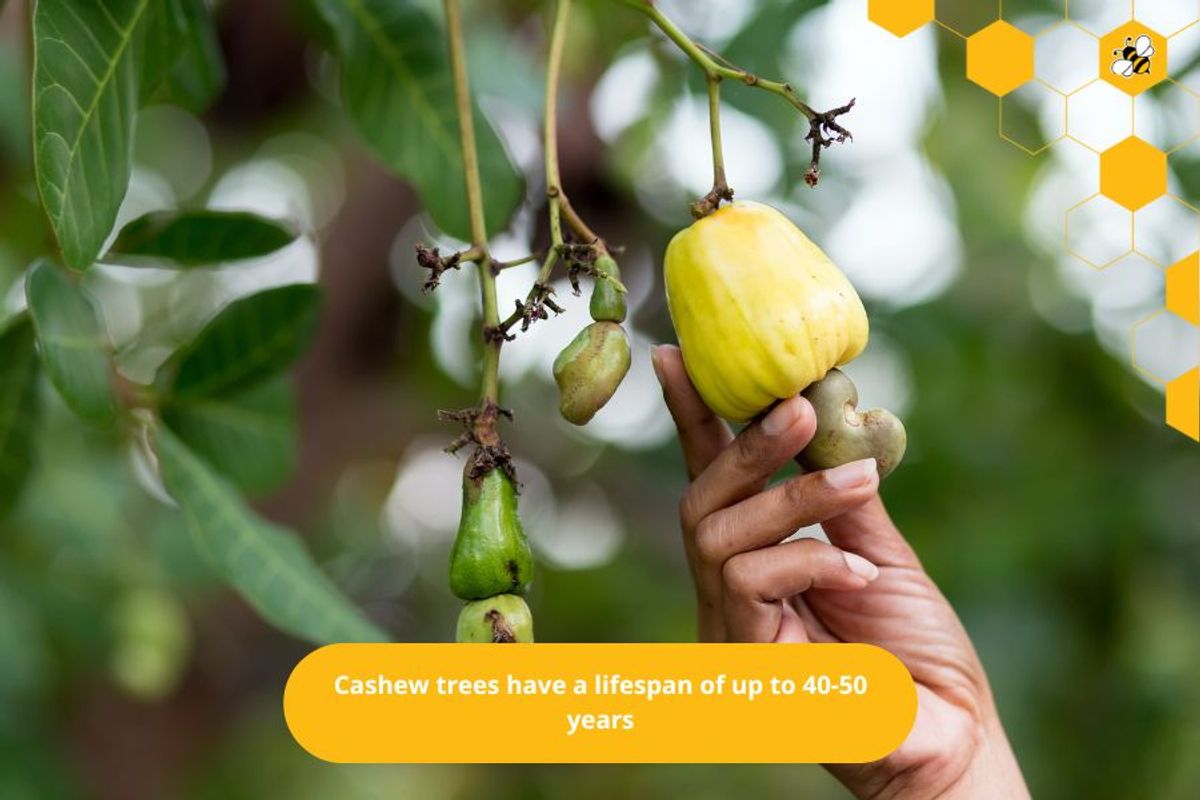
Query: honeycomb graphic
[1099, 69]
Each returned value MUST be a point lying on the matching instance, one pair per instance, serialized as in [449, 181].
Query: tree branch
[487, 277]
[824, 129]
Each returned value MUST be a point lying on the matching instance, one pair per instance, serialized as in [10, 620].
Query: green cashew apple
[589, 370]
[491, 554]
[844, 433]
[503, 619]
[608, 301]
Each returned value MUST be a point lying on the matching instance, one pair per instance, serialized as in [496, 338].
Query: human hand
[866, 585]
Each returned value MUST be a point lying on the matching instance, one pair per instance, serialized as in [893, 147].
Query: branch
[486, 434]
[561, 209]
[824, 129]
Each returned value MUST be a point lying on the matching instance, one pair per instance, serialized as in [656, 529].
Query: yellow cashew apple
[760, 311]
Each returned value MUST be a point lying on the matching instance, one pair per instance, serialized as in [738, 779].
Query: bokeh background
[1042, 489]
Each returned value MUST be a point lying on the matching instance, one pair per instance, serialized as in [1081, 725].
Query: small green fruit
[503, 619]
[152, 642]
[608, 300]
[491, 555]
[589, 370]
[845, 434]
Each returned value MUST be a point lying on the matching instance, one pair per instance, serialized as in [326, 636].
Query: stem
[560, 205]
[720, 189]
[487, 277]
[554, 192]
[714, 130]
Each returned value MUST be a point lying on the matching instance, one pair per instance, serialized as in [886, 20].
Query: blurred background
[1042, 489]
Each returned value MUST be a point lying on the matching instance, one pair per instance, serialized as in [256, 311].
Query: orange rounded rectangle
[599, 703]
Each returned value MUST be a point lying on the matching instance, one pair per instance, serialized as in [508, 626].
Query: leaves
[397, 88]
[252, 339]
[72, 342]
[18, 406]
[94, 60]
[181, 61]
[266, 564]
[250, 437]
[85, 94]
[201, 237]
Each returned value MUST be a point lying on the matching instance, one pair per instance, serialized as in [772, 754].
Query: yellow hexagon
[901, 17]
[1133, 172]
[1183, 289]
[1000, 58]
[1133, 57]
[1183, 404]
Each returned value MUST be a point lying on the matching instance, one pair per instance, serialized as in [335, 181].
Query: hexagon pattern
[1183, 289]
[1183, 404]
[1099, 16]
[1099, 232]
[900, 17]
[1063, 57]
[1133, 173]
[1000, 58]
[1166, 230]
[1049, 124]
[1169, 119]
[1165, 347]
[1083, 81]
[1168, 16]
[1099, 116]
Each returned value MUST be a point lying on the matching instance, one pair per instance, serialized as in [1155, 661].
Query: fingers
[745, 465]
[868, 529]
[701, 432]
[770, 517]
[754, 582]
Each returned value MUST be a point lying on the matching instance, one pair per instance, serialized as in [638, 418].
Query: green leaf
[181, 57]
[85, 93]
[266, 564]
[73, 345]
[250, 438]
[251, 340]
[397, 88]
[18, 407]
[201, 237]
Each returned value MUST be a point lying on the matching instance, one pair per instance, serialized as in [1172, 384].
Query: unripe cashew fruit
[503, 619]
[491, 555]
[759, 310]
[845, 434]
[608, 301]
[153, 640]
[589, 370]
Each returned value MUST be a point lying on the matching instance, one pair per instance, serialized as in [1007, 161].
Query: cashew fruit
[845, 434]
[503, 619]
[491, 554]
[589, 370]
[608, 301]
[759, 310]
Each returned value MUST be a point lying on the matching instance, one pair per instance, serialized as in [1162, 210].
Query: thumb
[701, 432]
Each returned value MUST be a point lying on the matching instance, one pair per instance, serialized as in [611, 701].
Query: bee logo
[1134, 58]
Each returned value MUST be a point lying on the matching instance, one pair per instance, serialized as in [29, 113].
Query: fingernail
[656, 362]
[860, 566]
[848, 476]
[782, 417]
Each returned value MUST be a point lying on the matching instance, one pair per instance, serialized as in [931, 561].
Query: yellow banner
[599, 703]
